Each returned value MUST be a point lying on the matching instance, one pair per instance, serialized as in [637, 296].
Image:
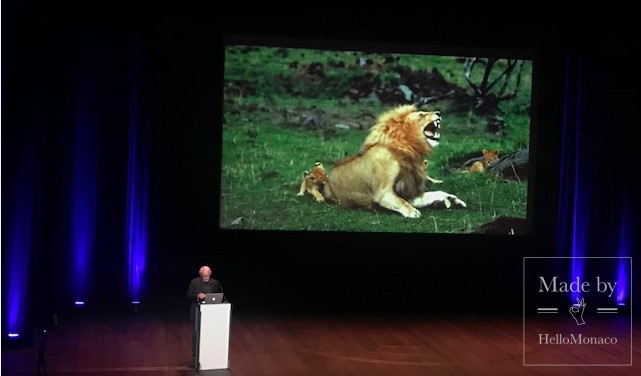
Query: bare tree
[493, 88]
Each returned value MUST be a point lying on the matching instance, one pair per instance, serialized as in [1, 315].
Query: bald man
[198, 287]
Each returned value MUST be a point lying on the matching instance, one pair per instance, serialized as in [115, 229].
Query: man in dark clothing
[198, 287]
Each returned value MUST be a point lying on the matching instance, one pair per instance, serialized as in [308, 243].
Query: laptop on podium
[213, 298]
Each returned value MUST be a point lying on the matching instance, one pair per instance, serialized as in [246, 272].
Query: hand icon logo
[577, 310]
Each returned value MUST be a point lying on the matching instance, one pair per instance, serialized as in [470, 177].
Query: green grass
[265, 147]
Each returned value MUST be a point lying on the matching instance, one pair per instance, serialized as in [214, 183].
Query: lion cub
[313, 182]
[489, 156]
[435, 181]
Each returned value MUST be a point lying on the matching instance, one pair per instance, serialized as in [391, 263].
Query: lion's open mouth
[432, 132]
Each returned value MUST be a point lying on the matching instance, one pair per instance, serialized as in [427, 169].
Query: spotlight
[16, 340]
[79, 305]
[135, 305]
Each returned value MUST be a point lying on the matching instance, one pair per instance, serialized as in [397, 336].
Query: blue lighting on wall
[574, 194]
[625, 244]
[137, 187]
[21, 242]
[83, 194]
[587, 224]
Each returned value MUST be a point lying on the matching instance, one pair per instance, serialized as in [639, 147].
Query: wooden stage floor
[158, 343]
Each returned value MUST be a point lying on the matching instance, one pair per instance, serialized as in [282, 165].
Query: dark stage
[156, 342]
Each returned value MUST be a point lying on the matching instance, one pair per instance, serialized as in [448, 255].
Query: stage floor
[157, 343]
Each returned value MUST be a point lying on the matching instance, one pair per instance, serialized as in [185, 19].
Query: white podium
[212, 336]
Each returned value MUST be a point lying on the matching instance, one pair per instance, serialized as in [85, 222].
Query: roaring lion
[390, 169]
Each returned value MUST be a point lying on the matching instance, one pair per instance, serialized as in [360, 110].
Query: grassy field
[286, 108]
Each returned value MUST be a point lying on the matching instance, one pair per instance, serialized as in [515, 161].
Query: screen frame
[448, 48]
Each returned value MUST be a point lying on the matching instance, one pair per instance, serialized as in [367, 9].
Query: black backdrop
[181, 58]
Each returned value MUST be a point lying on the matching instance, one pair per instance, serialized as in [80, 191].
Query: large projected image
[374, 140]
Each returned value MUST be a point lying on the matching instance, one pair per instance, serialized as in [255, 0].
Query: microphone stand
[43, 345]
[41, 354]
